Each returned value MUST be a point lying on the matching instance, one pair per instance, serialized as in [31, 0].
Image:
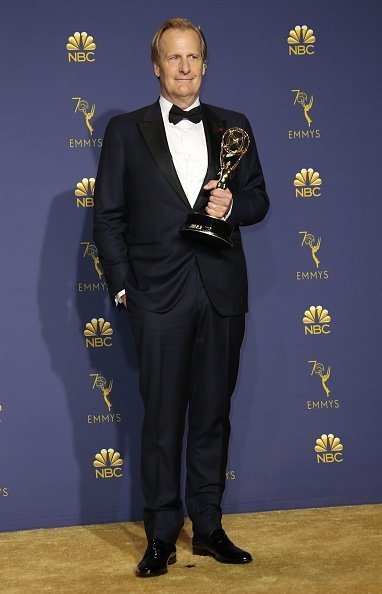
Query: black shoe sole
[201, 552]
[154, 573]
[207, 553]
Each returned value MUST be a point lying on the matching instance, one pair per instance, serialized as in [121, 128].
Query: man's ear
[156, 69]
[204, 68]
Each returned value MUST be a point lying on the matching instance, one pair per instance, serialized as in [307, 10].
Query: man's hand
[220, 200]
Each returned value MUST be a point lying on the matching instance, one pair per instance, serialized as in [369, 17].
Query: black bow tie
[176, 115]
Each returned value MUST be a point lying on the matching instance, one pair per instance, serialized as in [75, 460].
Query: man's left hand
[220, 200]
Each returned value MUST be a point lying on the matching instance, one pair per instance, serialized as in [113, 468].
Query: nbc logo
[85, 192]
[307, 183]
[98, 333]
[81, 47]
[328, 449]
[107, 464]
[316, 320]
[300, 41]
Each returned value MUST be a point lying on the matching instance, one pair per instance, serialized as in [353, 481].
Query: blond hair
[182, 25]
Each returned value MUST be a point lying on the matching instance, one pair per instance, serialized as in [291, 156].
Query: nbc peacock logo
[301, 41]
[328, 449]
[85, 192]
[81, 48]
[316, 320]
[108, 464]
[98, 333]
[307, 183]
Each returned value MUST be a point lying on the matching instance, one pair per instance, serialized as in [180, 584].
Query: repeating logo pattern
[308, 184]
[98, 333]
[107, 463]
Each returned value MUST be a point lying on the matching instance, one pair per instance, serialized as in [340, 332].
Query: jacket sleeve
[110, 227]
[250, 200]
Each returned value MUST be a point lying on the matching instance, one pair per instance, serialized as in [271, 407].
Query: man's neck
[183, 105]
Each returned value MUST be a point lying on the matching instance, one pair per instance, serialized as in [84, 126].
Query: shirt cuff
[118, 296]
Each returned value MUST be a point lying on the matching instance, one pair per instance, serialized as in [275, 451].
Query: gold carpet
[327, 550]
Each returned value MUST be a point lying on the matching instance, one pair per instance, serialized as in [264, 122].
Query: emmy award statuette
[206, 228]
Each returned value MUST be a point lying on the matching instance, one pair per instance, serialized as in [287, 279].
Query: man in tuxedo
[186, 301]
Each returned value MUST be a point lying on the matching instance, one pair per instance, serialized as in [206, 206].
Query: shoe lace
[157, 546]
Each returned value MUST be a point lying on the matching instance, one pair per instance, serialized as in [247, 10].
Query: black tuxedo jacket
[140, 206]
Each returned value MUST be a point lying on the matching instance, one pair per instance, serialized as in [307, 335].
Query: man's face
[180, 66]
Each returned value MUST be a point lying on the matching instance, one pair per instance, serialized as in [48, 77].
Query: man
[186, 301]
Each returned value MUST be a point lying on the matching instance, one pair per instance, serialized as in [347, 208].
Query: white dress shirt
[188, 148]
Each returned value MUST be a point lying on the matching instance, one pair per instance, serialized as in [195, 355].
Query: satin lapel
[214, 129]
[154, 134]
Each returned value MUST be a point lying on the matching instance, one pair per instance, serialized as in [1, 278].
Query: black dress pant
[188, 356]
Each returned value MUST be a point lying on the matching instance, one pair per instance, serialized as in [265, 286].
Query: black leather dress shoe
[158, 555]
[218, 545]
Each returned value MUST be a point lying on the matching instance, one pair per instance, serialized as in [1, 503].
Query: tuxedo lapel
[213, 129]
[154, 134]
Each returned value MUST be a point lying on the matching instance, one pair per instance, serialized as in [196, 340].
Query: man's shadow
[70, 294]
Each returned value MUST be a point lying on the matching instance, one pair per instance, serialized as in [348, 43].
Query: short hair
[182, 25]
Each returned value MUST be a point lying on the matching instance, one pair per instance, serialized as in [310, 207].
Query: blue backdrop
[70, 411]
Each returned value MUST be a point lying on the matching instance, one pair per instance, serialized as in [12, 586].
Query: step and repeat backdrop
[306, 417]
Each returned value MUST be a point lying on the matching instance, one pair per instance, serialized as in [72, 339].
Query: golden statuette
[203, 227]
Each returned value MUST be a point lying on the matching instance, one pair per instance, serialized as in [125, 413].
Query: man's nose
[184, 65]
